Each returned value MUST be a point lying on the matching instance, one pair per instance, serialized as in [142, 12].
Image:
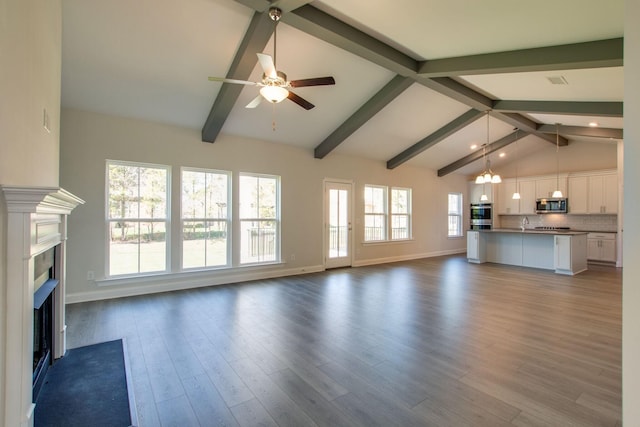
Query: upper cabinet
[507, 205]
[603, 194]
[593, 194]
[476, 191]
[578, 194]
[587, 192]
[546, 186]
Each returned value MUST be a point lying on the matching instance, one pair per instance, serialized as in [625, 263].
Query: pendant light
[557, 194]
[516, 194]
[487, 176]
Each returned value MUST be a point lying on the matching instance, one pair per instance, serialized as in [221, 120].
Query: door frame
[326, 182]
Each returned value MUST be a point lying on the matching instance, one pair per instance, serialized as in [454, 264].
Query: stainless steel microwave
[551, 205]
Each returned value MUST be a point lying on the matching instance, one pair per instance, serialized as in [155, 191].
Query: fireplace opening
[45, 282]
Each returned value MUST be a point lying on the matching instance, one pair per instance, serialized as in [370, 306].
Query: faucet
[525, 221]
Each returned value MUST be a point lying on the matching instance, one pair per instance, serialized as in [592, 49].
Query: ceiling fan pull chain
[273, 117]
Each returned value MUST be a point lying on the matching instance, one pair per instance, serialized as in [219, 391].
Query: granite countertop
[533, 231]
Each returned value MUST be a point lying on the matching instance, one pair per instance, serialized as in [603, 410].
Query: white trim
[178, 281]
[28, 208]
[375, 261]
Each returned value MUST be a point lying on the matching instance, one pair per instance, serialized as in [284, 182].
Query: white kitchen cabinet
[527, 197]
[603, 194]
[546, 186]
[577, 194]
[475, 247]
[476, 191]
[506, 204]
[601, 247]
[570, 253]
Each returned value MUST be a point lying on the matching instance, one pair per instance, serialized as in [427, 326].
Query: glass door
[338, 236]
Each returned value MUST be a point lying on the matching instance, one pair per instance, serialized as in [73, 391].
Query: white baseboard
[409, 257]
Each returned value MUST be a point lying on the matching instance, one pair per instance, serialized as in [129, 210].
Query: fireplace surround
[36, 222]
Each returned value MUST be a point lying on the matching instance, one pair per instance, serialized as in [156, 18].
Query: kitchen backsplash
[607, 223]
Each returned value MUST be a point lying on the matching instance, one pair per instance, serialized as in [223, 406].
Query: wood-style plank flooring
[432, 342]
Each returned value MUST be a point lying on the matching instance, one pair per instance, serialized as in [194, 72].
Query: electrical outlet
[90, 275]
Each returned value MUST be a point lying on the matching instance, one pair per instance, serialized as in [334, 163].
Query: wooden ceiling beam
[593, 54]
[434, 138]
[388, 93]
[576, 108]
[490, 148]
[255, 39]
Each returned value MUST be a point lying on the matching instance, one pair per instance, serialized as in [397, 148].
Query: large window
[259, 218]
[375, 213]
[455, 215]
[400, 213]
[137, 217]
[205, 218]
[377, 207]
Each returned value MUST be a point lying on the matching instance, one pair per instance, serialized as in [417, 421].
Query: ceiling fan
[274, 86]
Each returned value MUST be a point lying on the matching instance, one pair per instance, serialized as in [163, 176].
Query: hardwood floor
[435, 342]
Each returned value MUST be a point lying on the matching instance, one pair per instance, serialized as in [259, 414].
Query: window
[455, 215]
[400, 213]
[376, 218]
[205, 218]
[259, 218]
[375, 213]
[137, 217]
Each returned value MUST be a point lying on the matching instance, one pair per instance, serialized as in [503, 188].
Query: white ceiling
[150, 59]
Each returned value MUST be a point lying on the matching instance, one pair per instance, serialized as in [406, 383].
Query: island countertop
[564, 251]
[534, 231]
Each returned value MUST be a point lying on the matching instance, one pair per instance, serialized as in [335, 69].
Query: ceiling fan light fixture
[274, 94]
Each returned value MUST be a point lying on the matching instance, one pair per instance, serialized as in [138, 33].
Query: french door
[337, 221]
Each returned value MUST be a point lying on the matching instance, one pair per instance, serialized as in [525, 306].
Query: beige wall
[575, 157]
[88, 139]
[30, 55]
[631, 225]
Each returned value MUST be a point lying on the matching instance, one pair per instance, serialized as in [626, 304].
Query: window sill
[387, 242]
[184, 274]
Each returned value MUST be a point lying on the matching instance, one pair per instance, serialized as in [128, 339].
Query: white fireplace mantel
[36, 222]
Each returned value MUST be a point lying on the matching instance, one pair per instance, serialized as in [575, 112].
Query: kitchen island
[565, 252]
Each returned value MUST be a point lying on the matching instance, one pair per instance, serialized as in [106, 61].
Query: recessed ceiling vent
[558, 80]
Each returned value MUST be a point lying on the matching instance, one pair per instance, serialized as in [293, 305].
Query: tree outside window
[137, 217]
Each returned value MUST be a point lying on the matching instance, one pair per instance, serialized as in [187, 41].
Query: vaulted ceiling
[415, 79]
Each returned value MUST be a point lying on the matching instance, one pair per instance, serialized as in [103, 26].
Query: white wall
[30, 55]
[631, 225]
[88, 139]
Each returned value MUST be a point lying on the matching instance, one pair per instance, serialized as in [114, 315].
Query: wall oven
[481, 216]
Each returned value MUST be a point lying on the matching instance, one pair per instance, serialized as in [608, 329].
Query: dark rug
[87, 387]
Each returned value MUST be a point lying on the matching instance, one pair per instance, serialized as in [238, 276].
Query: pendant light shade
[487, 176]
[557, 194]
[516, 194]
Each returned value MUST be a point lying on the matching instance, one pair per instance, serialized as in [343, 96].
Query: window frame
[408, 214]
[276, 220]
[138, 220]
[384, 214]
[458, 215]
[389, 214]
[228, 220]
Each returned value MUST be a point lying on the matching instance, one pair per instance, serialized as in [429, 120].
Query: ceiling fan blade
[255, 102]
[300, 101]
[239, 82]
[317, 81]
[266, 62]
